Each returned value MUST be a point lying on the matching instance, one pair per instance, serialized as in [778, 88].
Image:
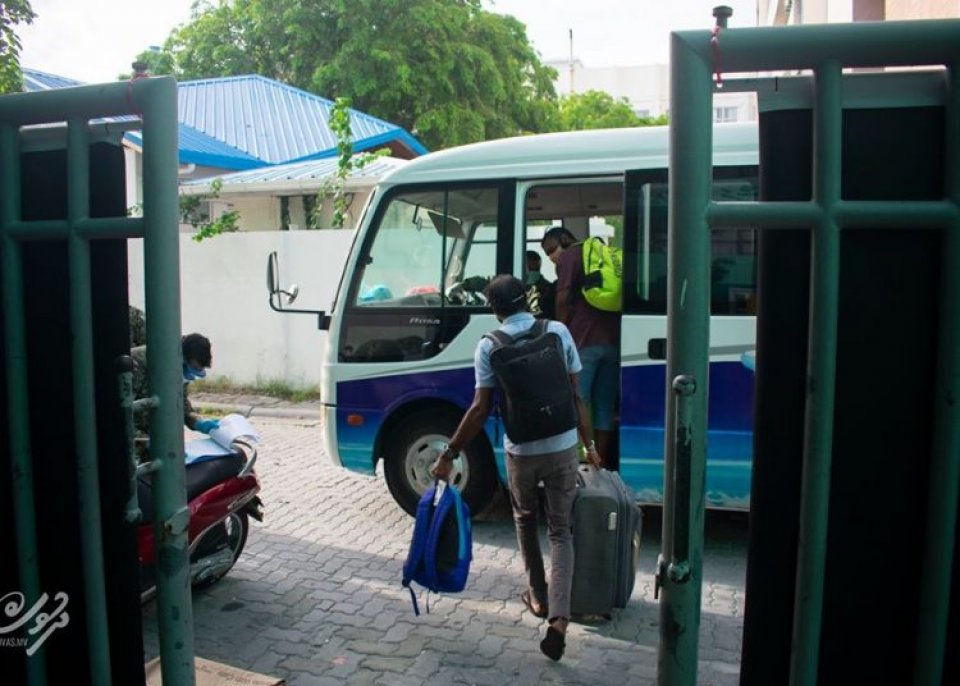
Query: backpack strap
[413, 597]
[463, 526]
[539, 327]
[499, 337]
[417, 549]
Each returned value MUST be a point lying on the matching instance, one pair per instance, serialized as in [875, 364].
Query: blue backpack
[442, 546]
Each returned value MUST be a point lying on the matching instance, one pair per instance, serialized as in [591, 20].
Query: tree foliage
[12, 12]
[156, 62]
[599, 110]
[446, 70]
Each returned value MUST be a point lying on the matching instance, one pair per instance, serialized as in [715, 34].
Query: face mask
[192, 373]
[532, 278]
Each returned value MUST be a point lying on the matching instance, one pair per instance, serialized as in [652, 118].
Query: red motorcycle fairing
[215, 504]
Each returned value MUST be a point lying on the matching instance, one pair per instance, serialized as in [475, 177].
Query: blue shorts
[600, 383]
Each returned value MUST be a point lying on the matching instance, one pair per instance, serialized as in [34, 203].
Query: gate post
[688, 333]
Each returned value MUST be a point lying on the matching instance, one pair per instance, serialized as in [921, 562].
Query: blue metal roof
[34, 81]
[199, 148]
[246, 122]
[299, 174]
[276, 123]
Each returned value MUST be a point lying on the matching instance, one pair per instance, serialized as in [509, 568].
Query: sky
[96, 40]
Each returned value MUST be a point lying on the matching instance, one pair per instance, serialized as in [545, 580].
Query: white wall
[224, 296]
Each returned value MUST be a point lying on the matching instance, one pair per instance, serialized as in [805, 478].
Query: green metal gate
[155, 100]
[826, 50]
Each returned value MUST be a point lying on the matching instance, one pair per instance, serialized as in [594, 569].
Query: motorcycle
[221, 497]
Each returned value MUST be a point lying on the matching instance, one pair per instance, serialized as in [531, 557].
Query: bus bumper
[328, 434]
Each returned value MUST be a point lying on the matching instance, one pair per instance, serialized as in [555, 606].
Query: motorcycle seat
[200, 476]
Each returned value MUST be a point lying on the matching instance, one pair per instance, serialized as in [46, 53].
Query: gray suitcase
[606, 543]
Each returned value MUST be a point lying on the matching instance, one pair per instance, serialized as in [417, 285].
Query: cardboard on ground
[210, 673]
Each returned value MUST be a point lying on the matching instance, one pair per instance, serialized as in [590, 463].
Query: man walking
[551, 459]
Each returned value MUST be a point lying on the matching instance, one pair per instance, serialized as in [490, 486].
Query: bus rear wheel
[413, 447]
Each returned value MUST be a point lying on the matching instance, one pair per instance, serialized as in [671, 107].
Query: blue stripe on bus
[731, 395]
[729, 442]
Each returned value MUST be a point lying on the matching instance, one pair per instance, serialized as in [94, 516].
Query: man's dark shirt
[588, 325]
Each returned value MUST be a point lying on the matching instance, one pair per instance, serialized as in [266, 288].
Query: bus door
[732, 340]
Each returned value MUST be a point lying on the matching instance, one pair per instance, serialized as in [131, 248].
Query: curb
[254, 411]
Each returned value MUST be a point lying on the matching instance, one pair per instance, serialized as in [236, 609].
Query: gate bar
[872, 214]
[89, 228]
[858, 44]
[84, 402]
[938, 553]
[161, 257]
[821, 377]
[18, 410]
[688, 330]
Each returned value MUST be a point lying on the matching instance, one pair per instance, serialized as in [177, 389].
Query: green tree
[12, 12]
[446, 70]
[599, 110]
[156, 61]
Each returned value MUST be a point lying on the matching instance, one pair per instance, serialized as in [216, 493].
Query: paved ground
[316, 597]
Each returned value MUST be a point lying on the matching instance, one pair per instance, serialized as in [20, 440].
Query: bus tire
[412, 448]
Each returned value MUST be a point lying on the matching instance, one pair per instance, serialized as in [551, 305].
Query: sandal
[553, 644]
[528, 601]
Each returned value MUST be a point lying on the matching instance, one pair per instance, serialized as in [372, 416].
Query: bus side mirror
[273, 284]
[277, 294]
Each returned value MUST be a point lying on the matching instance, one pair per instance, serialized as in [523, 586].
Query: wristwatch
[449, 454]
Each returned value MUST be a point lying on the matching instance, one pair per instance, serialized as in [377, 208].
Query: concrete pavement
[316, 597]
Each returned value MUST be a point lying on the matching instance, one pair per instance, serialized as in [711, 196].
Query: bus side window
[733, 250]
[733, 269]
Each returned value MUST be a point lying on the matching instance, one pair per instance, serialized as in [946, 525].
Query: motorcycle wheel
[230, 534]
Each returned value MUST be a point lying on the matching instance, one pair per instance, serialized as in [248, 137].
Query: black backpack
[532, 373]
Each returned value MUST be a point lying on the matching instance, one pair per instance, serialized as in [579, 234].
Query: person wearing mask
[551, 460]
[197, 359]
[596, 333]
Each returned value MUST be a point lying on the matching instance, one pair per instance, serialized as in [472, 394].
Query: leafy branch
[205, 227]
[12, 12]
[347, 163]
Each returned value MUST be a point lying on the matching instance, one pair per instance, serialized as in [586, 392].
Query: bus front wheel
[413, 447]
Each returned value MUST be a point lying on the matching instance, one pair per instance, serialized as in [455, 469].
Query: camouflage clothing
[541, 297]
[138, 327]
[141, 420]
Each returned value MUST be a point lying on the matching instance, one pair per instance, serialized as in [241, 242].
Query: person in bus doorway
[540, 291]
[552, 459]
[596, 333]
[197, 359]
